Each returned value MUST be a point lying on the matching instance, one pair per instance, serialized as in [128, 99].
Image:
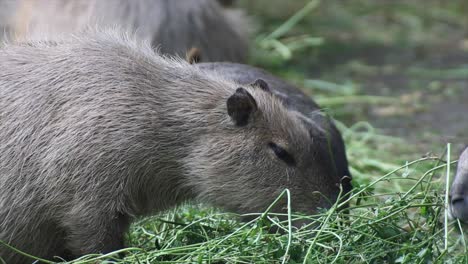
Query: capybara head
[459, 191]
[263, 148]
[324, 163]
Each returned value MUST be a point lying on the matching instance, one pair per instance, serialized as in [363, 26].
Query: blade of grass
[447, 186]
[293, 20]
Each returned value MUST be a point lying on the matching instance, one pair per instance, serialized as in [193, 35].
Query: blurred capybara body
[171, 26]
[98, 129]
[7, 7]
[459, 190]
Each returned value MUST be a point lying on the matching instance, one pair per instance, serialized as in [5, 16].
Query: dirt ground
[431, 86]
[436, 106]
[415, 52]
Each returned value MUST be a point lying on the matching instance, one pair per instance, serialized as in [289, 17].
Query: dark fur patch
[240, 106]
[262, 85]
[282, 154]
[226, 3]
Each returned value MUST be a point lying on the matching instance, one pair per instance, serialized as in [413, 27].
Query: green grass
[398, 210]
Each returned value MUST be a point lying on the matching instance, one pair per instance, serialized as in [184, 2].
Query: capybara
[97, 129]
[459, 191]
[173, 27]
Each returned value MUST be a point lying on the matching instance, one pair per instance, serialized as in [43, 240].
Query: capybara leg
[96, 233]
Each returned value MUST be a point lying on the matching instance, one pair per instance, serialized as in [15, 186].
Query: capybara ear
[260, 83]
[240, 106]
[193, 56]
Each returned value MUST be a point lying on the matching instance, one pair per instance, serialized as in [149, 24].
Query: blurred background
[401, 66]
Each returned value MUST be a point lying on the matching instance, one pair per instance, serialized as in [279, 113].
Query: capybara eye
[282, 154]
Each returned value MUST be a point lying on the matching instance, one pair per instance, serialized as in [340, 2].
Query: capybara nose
[459, 207]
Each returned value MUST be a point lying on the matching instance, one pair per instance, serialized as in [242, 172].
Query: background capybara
[7, 8]
[98, 129]
[459, 191]
[172, 26]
